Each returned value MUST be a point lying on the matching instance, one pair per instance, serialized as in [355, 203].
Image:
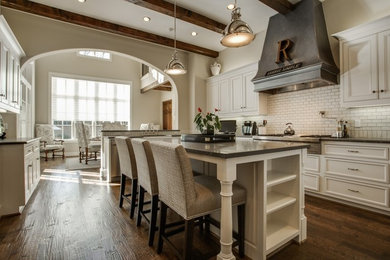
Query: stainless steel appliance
[247, 128]
[289, 130]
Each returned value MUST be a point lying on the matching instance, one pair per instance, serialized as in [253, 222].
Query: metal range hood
[299, 42]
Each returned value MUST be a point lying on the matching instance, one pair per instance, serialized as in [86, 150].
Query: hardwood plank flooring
[75, 215]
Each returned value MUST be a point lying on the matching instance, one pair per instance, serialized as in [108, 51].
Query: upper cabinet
[365, 64]
[10, 54]
[233, 94]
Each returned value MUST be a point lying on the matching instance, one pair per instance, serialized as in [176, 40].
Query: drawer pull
[352, 151]
[30, 165]
[356, 191]
[353, 169]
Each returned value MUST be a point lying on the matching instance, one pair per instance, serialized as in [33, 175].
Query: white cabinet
[384, 65]
[233, 93]
[351, 172]
[10, 55]
[365, 64]
[19, 174]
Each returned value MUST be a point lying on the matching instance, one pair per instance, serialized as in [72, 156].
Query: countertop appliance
[247, 128]
[228, 126]
[289, 130]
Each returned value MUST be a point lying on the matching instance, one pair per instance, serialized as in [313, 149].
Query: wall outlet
[358, 123]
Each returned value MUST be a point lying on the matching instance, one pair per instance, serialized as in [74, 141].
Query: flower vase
[208, 131]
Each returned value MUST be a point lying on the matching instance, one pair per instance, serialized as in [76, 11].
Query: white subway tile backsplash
[302, 109]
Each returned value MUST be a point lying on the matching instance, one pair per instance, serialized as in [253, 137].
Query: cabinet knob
[2, 95]
[374, 91]
[382, 90]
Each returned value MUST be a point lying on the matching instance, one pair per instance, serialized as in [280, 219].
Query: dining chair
[147, 180]
[47, 141]
[190, 197]
[128, 168]
[86, 145]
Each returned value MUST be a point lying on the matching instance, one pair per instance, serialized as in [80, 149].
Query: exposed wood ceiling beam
[165, 7]
[66, 16]
[281, 6]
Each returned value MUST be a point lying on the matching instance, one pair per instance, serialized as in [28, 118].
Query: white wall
[120, 68]
[302, 107]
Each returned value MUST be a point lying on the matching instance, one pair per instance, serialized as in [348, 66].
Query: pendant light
[175, 67]
[237, 33]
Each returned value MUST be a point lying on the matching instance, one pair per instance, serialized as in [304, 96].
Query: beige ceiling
[124, 13]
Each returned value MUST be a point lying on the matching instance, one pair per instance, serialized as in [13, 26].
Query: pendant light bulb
[175, 66]
[237, 33]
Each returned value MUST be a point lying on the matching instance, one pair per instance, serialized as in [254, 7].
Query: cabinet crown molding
[368, 28]
[10, 38]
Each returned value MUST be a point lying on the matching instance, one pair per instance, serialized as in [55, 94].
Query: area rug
[73, 163]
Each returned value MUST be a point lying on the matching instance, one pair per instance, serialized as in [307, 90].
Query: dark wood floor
[74, 215]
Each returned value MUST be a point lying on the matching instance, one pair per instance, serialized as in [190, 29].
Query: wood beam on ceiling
[86, 21]
[281, 6]
[184, 14]
[164, 86]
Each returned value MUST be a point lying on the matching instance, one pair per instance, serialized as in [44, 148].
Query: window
[93, 102]
[95, 54]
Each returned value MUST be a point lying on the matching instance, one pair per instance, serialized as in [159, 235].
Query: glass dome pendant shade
[237, 33]
[174, 66]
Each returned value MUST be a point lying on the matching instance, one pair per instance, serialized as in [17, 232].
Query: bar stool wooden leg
[153, 219]
[134, 184]
[86, 155]
[207, 223]
[241, 230]
[122, 190]
[141, 196]
[161, 233]
[188, 236]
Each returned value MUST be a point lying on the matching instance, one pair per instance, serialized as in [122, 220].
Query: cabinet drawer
[359, 192]
[370, 152]
[28, 150]
[311, 182]
[359, 170]
[312, 163]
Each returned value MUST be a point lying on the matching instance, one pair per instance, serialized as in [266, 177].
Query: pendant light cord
[174, 26]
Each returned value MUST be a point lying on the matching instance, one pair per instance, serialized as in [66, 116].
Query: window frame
[81, 77]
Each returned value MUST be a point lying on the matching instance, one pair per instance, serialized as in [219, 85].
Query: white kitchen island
[272, 174]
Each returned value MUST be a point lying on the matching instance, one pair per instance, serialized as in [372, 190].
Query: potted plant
[207, 123]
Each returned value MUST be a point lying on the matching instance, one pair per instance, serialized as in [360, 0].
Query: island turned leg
[226, 173]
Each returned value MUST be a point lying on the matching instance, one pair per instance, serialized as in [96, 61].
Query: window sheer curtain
[88, 100]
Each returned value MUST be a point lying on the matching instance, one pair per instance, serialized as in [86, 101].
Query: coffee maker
[2, 128]
[247, 128]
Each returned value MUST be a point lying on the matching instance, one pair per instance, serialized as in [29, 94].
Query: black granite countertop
[137, 131]
[239, 148]
[17, 140]
[296, 138]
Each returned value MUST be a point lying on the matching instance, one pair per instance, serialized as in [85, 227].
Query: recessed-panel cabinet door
[251, 98]
[10, 76]
[237, 94]
[360, 69]
[5, 95]
[225, 96]
[212, 96]
[384, 65]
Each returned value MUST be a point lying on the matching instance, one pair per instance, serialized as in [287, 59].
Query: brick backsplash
[301, 108]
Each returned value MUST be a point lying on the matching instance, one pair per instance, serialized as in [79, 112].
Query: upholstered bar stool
[128, 169]
[190, 197]
[147, 180]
